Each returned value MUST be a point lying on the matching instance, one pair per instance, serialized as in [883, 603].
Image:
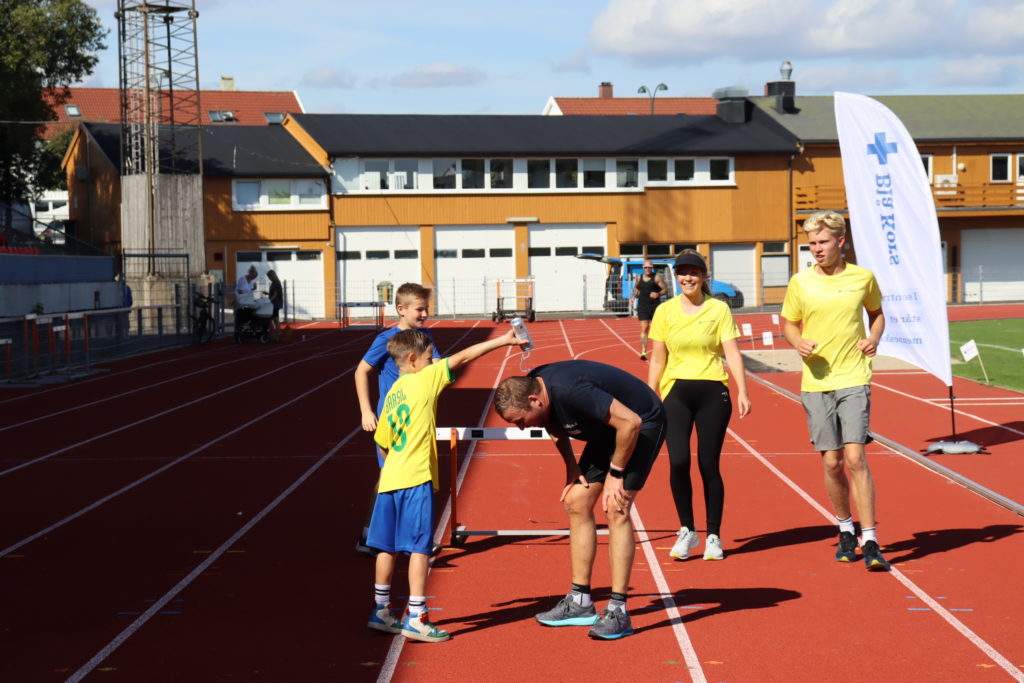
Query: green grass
[999, 345]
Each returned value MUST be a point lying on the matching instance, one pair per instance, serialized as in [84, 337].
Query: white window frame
[1009, 168]
[264, 199]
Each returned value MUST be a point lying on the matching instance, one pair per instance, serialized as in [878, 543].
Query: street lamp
[652, 93]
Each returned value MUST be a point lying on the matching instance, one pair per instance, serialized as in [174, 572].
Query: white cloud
[827, 79]
[575, 61]
[979, 71]
[995, 25]
[439, 75]
[330, 77]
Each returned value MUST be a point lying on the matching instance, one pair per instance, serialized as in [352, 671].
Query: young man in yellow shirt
[823, 321]
[403, 516]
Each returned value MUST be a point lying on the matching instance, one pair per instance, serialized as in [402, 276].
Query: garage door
[991, 264]
[468, 261]
[735, 264]
[301, 272]
[559, 277]
[370, 255]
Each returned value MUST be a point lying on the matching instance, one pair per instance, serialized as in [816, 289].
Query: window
[1020, 172]
[593, 173]
[446, 253]
[1000, 168]
[538, 173]
[279, 192]
[592, 250]
[279, 256]
[247, 194]
[307, 255]
[501, 173]
[632, 250]
[405, 174]
[499, 253]
[659, 250]
[472, 174]
[540, 251]
[720, 169]
[626, 172]
[273, 116]
[444, 174]
[774, 248]
[309, 192]
[375, 174]
[566, 173]
[657, 170]
[473, 253]
[249, 256]
[349, 255]
[72, 111]
[926, 160]
[222, 116]
[407, 253]
[680, 248]
[566, 251]
[685, 169]
[377, 255]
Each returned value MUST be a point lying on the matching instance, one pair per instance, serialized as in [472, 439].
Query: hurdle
[458, 532]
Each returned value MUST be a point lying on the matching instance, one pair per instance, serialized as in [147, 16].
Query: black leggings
[707, 404]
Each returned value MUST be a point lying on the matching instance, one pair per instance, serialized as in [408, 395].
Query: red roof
[247, 106]
[599, 106]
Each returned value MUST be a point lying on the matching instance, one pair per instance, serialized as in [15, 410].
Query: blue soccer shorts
[403, 520]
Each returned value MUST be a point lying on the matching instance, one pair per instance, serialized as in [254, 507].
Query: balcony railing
[985, 196]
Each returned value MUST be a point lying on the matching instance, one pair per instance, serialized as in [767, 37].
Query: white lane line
[398, 642]
[990, 346]
[565, 336]
[962, 628]
[186, 456]
[676, 619]
[958, 412]
[141, 620]
[161, 413]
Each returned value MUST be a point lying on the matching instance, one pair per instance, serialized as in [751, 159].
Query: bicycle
[203, 324]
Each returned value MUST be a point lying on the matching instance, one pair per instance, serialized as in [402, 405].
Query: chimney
[604, 91]
[784, 91]
[227, 83]
[733, 105]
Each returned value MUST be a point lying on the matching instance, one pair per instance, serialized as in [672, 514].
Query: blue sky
[486, 57]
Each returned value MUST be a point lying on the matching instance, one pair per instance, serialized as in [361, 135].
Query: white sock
[417, 605]
[868, 534]
[381, 593]
[845, 524]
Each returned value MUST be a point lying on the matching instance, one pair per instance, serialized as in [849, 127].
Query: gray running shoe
[686, 542]
[568, 613]
[613, 624]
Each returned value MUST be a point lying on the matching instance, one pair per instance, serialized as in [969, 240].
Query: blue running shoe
[847, 550]
[873, 557]
[568, 613]
[613, 624]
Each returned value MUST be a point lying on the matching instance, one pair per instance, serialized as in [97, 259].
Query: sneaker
[568, 613]
[873, 557]
[713, 548]
[418, 628]
[384, 619]
[686, 542]
[613, 624]
[847, 550]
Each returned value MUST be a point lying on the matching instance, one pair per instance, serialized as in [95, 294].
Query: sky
[487, 57]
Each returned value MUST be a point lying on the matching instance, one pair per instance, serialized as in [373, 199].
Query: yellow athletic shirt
[693, 342]
[407, 428]
[831, 309]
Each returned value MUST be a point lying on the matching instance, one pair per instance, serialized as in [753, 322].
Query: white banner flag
[895, 231]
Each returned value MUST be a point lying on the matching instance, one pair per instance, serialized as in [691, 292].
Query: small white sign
[767, 339]
[969, 350]
[775, 318]
[747, 329]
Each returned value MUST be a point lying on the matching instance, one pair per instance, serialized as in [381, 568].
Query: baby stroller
[252, 319]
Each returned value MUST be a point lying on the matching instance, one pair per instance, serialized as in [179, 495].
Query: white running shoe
[713, 548]
[686, 542]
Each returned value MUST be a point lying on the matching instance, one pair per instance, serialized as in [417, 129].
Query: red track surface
[189, 516]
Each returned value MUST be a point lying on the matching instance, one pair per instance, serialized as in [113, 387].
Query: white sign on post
[775, 318]
[969, 350]
[747, 329]
[767, 339]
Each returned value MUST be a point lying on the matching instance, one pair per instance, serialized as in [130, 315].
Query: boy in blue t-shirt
[412, 302]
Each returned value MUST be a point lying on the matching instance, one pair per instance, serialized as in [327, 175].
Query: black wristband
[617, 474]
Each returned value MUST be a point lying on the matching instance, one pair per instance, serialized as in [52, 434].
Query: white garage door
[991, 264]
[468, 261]
[735, 264]
[301, 273]
[558, 276]
[368, 256]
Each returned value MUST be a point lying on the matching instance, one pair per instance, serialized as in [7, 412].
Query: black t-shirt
[276, 295]
[581, 391]
[644, 289]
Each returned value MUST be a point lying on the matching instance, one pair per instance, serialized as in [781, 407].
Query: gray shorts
[838, 417]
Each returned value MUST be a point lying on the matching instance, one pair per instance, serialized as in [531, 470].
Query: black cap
[691, 259]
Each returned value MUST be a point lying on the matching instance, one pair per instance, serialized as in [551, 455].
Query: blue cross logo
[882, 149]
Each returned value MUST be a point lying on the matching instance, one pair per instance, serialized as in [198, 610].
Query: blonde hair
[826, 220]
[411, 291]
[514, 393]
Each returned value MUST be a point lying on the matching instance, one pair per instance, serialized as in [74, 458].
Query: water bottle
[519, 327]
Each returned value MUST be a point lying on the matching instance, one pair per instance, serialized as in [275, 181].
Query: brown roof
[597, 106]
[103, 105]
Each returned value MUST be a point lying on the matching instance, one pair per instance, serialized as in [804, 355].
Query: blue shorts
[403, 521]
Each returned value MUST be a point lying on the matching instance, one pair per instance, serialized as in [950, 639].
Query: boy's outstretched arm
[473, 352]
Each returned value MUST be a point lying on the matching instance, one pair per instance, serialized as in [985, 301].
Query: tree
[47, 45]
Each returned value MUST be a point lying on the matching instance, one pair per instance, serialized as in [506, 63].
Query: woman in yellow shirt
[689, 336]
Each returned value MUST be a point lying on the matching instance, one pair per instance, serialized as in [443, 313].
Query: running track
[189, 515]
